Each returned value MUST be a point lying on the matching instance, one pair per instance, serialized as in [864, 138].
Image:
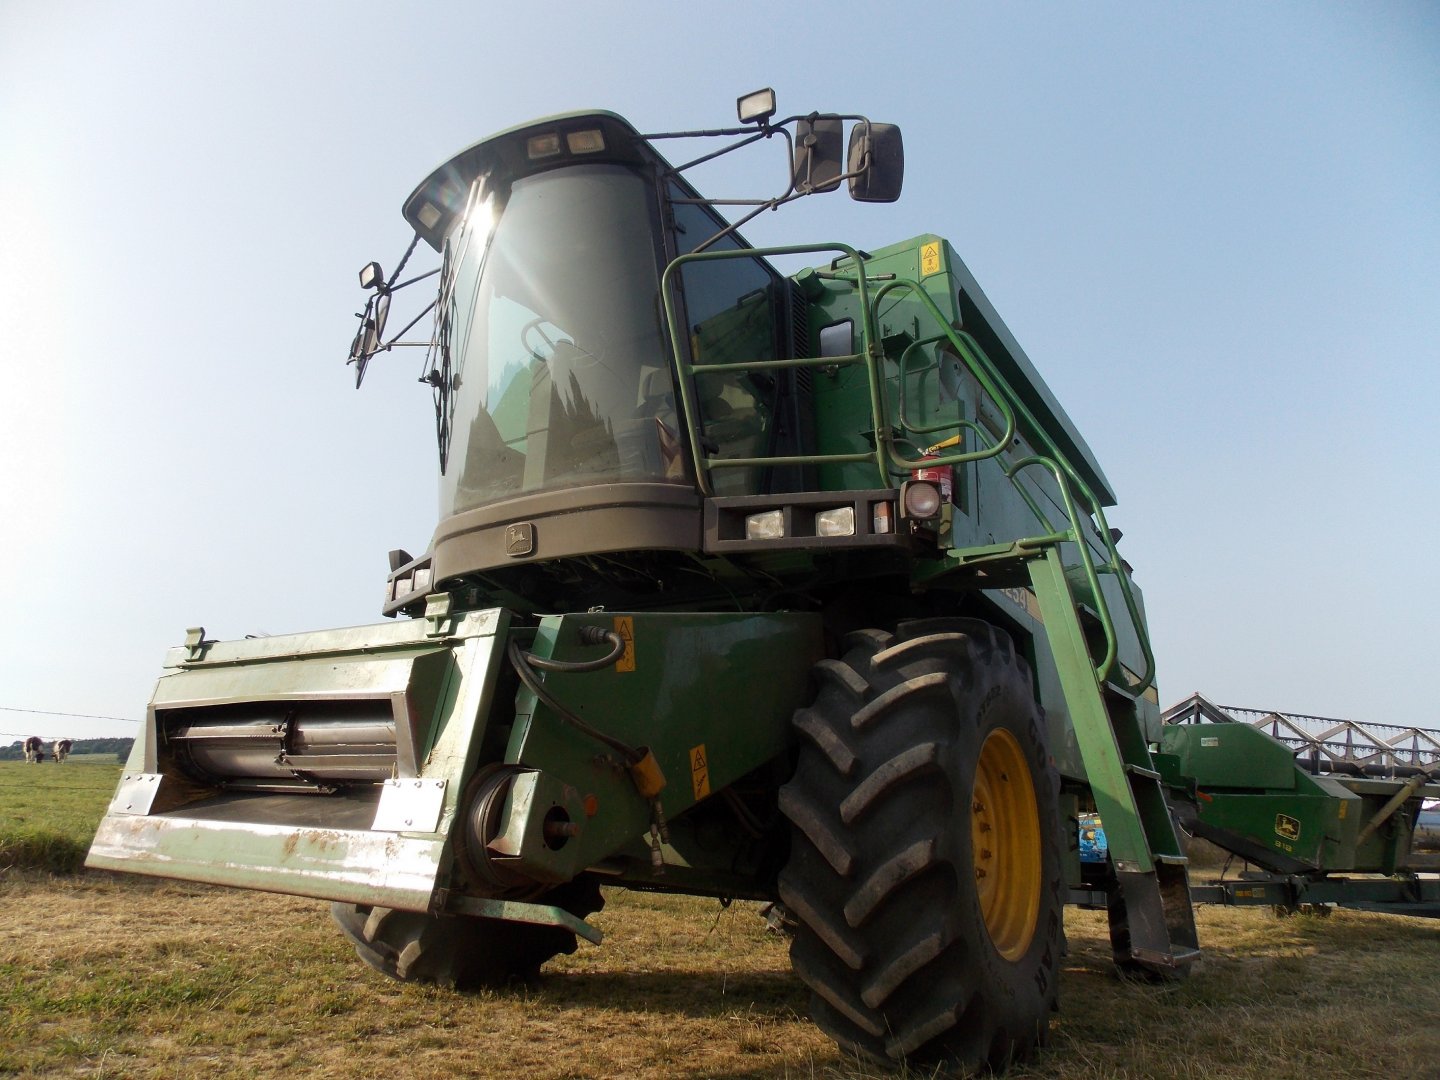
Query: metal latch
[439, 619]
[195, 643]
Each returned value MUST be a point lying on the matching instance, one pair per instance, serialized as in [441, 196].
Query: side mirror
[370, 335]
[877, 162]
[818, 165]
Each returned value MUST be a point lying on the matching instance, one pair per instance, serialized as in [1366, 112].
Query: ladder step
[1140, 770]
[1124, 693]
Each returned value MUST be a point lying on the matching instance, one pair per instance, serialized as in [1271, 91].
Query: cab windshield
[557, 370]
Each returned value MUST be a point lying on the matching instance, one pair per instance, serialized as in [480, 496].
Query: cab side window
[733, 310]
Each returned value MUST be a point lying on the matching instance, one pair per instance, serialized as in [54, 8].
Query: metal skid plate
[136, 793]
[410, 805]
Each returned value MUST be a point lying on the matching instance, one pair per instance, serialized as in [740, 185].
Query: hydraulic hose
[589, 635]
[525, 665]
[639, 761]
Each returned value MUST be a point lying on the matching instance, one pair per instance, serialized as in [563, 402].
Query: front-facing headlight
[837, 522]
[769, 525]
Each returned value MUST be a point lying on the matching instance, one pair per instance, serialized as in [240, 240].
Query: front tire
[925, 859]
[462, 951]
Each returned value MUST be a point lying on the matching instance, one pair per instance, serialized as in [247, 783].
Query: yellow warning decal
[1343, 808]
[930, 258]
[625, 627]
[699, 771]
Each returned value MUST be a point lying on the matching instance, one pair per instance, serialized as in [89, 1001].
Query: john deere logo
[1287, 827]
[519, 539]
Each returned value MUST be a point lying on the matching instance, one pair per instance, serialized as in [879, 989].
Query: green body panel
[928, 397]
[1245, 791]
[1233, 756]
[710, 695]
[1306, 828]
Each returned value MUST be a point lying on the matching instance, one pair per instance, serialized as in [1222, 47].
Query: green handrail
[886, 456]
[686, 371]
[980, 365]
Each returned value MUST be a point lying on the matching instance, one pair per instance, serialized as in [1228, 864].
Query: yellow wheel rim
[1005, 834]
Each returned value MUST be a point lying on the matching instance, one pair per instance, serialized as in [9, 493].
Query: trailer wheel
[925, 868]
[462, 951]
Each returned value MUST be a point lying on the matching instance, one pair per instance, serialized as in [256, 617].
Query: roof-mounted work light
[589, 141]
[542, 146]
[371, 275]
[756, 107]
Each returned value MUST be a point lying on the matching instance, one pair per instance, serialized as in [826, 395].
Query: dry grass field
[109, 976]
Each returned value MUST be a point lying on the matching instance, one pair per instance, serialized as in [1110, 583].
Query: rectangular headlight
[837, 522]
[769, 525]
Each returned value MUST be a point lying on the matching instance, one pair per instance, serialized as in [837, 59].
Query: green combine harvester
[794, 588]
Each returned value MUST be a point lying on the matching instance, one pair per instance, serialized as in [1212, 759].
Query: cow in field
[35, 749]
[61, 750]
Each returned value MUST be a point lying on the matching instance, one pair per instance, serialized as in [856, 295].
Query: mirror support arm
[424, 311]
[411, 281]
[390, 285]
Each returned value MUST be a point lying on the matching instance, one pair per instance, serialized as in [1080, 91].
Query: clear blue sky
[1215, 228]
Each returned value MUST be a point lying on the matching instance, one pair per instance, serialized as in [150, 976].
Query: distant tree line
[119, 747]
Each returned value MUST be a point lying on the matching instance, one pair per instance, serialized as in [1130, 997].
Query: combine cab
[789, 586]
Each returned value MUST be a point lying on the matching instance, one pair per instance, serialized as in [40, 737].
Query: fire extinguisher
[942, 476]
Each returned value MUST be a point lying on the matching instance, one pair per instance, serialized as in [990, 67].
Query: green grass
[48, 812]
[154, 979]
[111, 976]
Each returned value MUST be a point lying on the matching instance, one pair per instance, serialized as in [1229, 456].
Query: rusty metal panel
[355, 866]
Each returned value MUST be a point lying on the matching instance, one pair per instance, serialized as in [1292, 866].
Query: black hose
[522, 661]
[589, 635]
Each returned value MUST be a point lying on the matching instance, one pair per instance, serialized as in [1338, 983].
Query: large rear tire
[462, 951]
[925, 868]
